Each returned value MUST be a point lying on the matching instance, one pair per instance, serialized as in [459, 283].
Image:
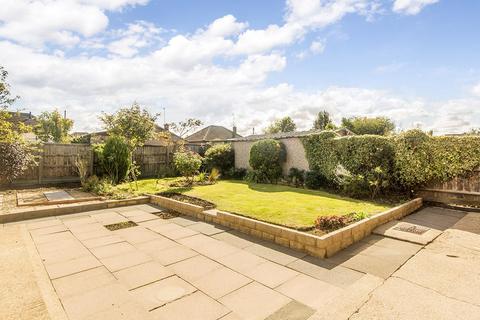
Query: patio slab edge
[64, 209]
[318, 246]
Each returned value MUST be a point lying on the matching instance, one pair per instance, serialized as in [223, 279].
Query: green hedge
[266, 157]
[405, 161]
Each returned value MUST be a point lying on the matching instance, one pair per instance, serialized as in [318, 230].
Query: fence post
[40, 164]
[91, 160]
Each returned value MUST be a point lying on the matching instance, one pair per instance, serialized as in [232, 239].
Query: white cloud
[476, 90]
[411, 7]
[36, 22]
[317, 46]
[390, 68]
[138, 35]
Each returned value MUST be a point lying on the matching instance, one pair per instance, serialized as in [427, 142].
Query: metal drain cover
[411, 229]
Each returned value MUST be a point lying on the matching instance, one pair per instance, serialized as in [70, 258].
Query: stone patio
[72, 267]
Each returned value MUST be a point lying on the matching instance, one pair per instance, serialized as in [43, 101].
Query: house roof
[212, 133]
[25, 117]
[295, 134]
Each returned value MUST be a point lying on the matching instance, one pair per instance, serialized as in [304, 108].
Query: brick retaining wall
[319, 246]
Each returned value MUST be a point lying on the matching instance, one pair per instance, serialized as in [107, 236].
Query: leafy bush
[296, 176]
[330, 223]
[116, 159]
[266, 157]
[314, 180]
[187, 163]
[321, 155]
[220, 156]
[97, 186]
[201, 177]
[15, 159]
[214, 176]
[237, 173]
[357, 216]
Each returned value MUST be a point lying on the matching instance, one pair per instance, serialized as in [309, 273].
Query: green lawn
[283, 205]
[279, 204]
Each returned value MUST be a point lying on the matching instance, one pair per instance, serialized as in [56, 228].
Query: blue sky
[415, 61]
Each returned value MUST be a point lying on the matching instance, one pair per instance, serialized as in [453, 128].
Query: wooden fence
[459, 190]
[56, 163]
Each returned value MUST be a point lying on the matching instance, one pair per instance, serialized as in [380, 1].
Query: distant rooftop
[212, 133]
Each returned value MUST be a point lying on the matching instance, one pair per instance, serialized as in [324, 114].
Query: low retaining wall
[450, 196]
[318, 246]
[25, 213]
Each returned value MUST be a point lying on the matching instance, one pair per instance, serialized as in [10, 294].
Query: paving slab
[57, 195]
[125, 260]
[407, 231]
[142, 274]
[125, 311]
[49, 222]
[309, 291]
[113, 249]
[194, 306]
[293, 311]
[173, 231]
[236, 239]
[241, 261]
[400, 299]
[95, 301]
[82, 282]
[183, 221]
[136, 235]
[161, 292]
[173, 254]
[69, 267]
[156, 246]
[275, 253]
[102, 241]
[221, 281]
[254, 301]
[194, 268]
[143, 217]
[207, 228]
[271, 274]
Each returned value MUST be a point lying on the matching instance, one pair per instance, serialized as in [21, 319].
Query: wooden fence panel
[460, 184]
[56, 163]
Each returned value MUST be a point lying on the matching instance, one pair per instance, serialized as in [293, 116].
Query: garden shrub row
[372, 164]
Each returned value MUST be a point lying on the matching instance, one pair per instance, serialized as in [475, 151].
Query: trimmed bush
[187, 163]
[116, 159]
[314, 180]
[266, 157]
[220, 156]
[330, 223]
[237, 173]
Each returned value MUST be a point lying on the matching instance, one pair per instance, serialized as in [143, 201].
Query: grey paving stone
[275, 253]
[207, 228]
[292, 311]
[220, 282]
[142, 274]
[173, 254]
[271, 274]
[125, 260]
[83, 282]
[254, 301]
[161, 292]
[195, 306]
[241, 261]
[66, 268]
[236, 239]
[113, 249]
[194, 268]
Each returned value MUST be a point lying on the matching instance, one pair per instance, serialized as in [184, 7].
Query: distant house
[26, 118]
[210, 135]
[160, 140]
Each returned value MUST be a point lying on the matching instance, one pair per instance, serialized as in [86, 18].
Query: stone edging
[26, 213]
[319, 246]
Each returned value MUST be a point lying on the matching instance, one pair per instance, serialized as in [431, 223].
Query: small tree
[187, 163]
[363, 125]
[116, 159]
[53, 127]
[183, 128]
[15, 158]
[323, 121]
[282, 125]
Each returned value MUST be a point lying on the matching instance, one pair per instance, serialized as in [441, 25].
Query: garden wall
[318, 246]
[295, 154]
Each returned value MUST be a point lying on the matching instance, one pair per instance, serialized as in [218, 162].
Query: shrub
[187, 163]
[330, 223]
[237, 173]
[95, 185]
[15, 159]
[220, 156]
[116, 159]
[82, 169]
[266, 157]
[296, 176]
[201, 177]
[357, 216]
[314, 180]
[214, 176]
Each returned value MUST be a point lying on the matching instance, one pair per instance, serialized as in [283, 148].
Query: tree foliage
[183, 128]
[323, 121]
[5, 96]
[285, 124]
[220, 156]
[363, 125]
[135, 124]
[116, 159]
[15, 158]
[187, 163]
[52, 126]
